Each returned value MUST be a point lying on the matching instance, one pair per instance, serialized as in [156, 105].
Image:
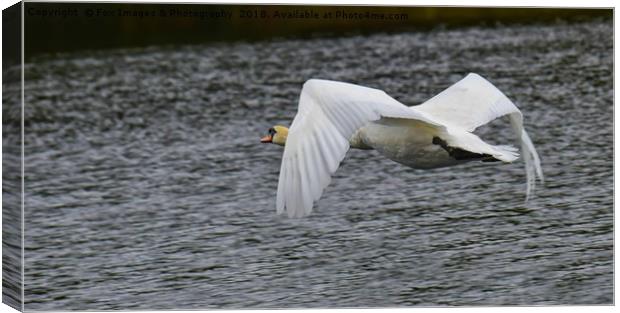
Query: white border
[485, 3]
[491, 3]
[23, 199]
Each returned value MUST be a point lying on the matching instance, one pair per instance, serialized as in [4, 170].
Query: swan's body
[334, 116]
[408, 142]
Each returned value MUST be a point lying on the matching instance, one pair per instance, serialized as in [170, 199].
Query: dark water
[146, 186]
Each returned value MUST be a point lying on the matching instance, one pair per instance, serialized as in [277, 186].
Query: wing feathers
[304, 180]
[530, 156]
[343, 121]
[312, 183]
[329, 114]
[319, 167]
[280, 191]
[474, 101]
[469, 103]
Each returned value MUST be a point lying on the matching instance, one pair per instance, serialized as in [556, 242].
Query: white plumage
[333, 116]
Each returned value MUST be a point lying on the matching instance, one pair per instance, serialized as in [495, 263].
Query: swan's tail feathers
[506, 153]
[532, 163]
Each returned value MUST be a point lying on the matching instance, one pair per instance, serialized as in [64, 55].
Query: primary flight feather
[334, 116]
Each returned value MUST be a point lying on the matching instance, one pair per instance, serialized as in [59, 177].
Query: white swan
[333, 116]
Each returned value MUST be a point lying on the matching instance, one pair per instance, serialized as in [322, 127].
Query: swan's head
[277, 135]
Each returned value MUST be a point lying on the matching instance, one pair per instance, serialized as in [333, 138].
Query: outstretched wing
[474, 101]
[329, 113]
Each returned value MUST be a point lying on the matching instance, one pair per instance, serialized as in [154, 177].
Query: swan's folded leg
[462, 153]
[464, 140]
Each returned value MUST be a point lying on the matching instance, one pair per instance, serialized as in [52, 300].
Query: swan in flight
[333, 116]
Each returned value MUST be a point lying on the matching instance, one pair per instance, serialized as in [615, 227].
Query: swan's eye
[272, 131]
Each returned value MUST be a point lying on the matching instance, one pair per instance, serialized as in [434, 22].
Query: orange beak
[266, 139]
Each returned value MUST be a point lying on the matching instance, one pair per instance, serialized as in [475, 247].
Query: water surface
[147, 188]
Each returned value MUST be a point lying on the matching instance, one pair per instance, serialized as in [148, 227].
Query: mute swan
[333, 116]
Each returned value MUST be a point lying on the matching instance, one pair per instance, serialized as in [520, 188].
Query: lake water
[147, 187]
